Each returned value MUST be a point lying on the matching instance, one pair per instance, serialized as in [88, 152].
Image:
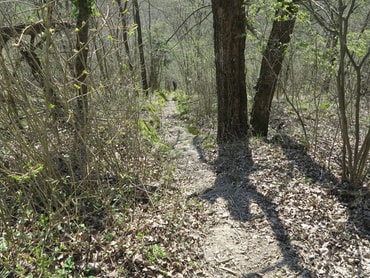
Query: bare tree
[355, 152]
[348, 20]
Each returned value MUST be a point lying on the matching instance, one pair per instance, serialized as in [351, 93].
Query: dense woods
[84, 149]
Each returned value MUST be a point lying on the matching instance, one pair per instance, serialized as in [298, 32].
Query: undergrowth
[117, 221]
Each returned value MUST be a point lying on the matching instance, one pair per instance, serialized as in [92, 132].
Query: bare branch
[186, 19]
[31, 29]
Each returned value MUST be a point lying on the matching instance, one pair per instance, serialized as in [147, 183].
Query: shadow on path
[356, 201]
[233, 167]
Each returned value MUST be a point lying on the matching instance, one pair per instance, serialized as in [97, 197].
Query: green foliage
[155, 253]
[151, 122]
[183, 103]
[32, 172]
[208, 142]
[358, 42]
[67, 268]
[162, 96]
[108, 237]
[149, 132]
[87, 4]
[325, 105]
[193, 130]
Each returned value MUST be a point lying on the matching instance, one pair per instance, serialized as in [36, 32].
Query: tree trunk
[271, 65]
[123, 16]
[229, 44]
[144, 80]
[81, 71]
[355, 156]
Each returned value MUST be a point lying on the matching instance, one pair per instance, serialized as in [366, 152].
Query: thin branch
[31, 29]
[186, 19]
[192, 27]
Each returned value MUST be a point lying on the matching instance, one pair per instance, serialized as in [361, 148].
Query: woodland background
[83, 85]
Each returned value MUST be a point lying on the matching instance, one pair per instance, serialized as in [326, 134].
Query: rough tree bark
[229, 44]
[271, 65]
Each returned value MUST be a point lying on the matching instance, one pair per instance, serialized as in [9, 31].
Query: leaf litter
[268, 208]
[262, 208]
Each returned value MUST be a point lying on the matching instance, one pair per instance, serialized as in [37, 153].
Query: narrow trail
[243, 236]
[193, 174]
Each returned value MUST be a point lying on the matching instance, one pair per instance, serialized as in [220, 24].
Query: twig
[229, 270]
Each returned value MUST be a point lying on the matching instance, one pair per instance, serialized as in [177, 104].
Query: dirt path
[243, 235]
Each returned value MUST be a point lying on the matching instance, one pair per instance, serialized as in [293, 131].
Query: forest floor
[266, 208]
[253, 208]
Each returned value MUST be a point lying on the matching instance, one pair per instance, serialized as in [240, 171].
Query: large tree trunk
[229, 43]
[271, 65]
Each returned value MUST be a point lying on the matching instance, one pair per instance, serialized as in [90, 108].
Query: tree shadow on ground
[355, 200]
[233, 166]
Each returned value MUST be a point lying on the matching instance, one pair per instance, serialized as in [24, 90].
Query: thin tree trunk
[354, 155]
[123, 16]
[82, 109]
[144, 80]
[271, 65]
